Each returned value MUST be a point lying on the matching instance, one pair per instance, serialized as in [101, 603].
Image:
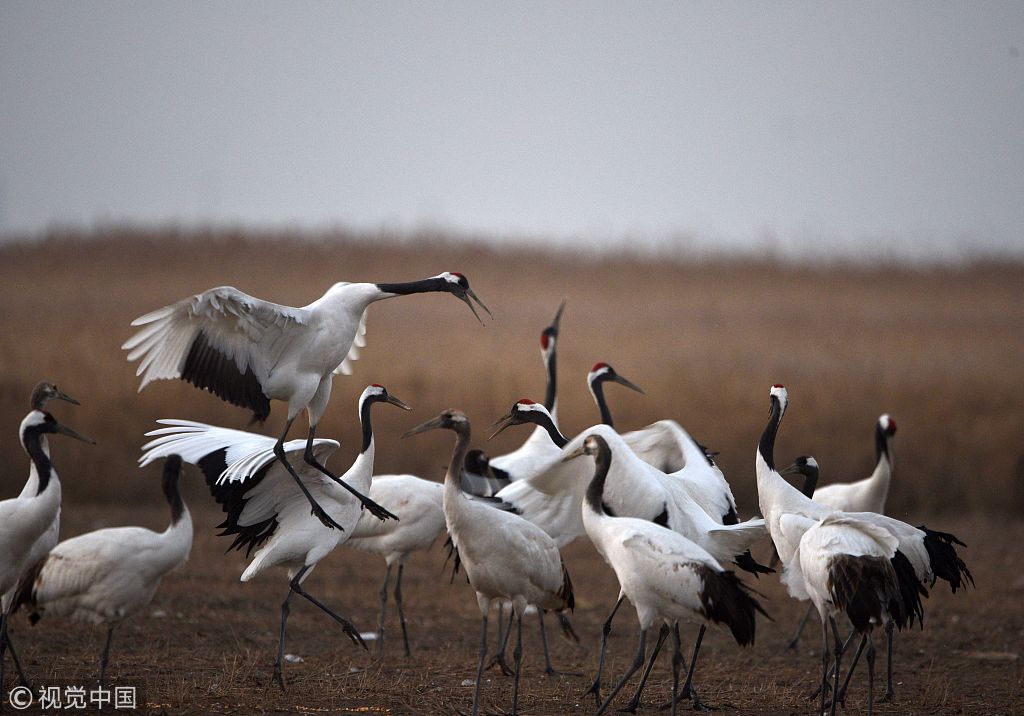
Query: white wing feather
[252, 332]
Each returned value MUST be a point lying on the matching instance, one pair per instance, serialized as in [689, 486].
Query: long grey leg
[870, 658]
[824, 687]
[401, 612]
[5, 642]
[595, 688]
[800, 628]
[839, 658]
[383, 610]
[104, 656]
[517, 655]
[548, 668]
[688, 689]
[841, 696]
[346, 626]
[285, 609]
[375, 509]
[889, 693]
[635, 701]
[638, 661]
[317, 510]
[480, 665]
[499, 657]
[677, 661]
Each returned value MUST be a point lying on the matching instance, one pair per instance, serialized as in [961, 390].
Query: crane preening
[248, 351]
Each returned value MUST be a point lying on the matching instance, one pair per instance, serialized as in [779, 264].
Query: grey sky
[800, 124]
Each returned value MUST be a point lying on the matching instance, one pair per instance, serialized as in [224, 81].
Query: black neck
[552, 361]
[426, 285]
[767, 444]
[33, 442]
[597, 388]
[810, 483]
[595, 490]
[172, 469]
[364, 419]
[553, 432]
[881, 443]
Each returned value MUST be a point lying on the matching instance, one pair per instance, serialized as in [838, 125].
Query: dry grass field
[942, 350]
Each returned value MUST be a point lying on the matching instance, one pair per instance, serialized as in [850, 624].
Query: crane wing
[353, 353]
[222, 340]
[242, 473]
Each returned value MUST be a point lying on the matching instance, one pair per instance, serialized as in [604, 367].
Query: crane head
[40, 421]
[887, 425]
[593, 445]
[458, 285]
[45, 392]
[377, 393]
[549, 336]
[524, 411]
[450, 419]
[778, 394]
[602, 372]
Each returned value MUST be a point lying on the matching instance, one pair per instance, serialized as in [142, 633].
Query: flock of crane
[653, 502]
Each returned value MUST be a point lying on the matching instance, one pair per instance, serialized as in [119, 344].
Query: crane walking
[248, 351]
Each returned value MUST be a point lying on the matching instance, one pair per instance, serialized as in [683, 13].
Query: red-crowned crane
[248, 352]
[665, 576]
[25, 519]
[263, 511]
[41, 395]
[418, 503]
[505, 557]
[106, 576]
[867, 495]
[921, 555]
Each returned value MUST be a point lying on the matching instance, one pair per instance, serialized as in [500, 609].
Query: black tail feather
[864, 588]
[747, 563]
[911, 590]
[945, 562]
[727, 600]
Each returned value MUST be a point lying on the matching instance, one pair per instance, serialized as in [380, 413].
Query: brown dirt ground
[206, 644]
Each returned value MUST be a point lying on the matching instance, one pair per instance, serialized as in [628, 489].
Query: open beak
[502, 423]
[470, 295]
[429, 425]
[65, 430]
[61, 395]
[581, 450]
[632, 386]
[396, 402]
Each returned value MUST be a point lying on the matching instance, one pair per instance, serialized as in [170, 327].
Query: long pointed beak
[429, 425]
[558, 316]
[469, 294]
[65, 430]
[632, 386]
[502, 423]
[581, 450]
[61, 395]
[792, 469]
[396, 402]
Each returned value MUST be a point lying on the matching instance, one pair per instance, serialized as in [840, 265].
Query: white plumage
[419, 506]
[869, 494]
[249, 351]
[105, 576]
[26, 519]
[667, 577]
[505, 557]
[811, 540]
[263, 511]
